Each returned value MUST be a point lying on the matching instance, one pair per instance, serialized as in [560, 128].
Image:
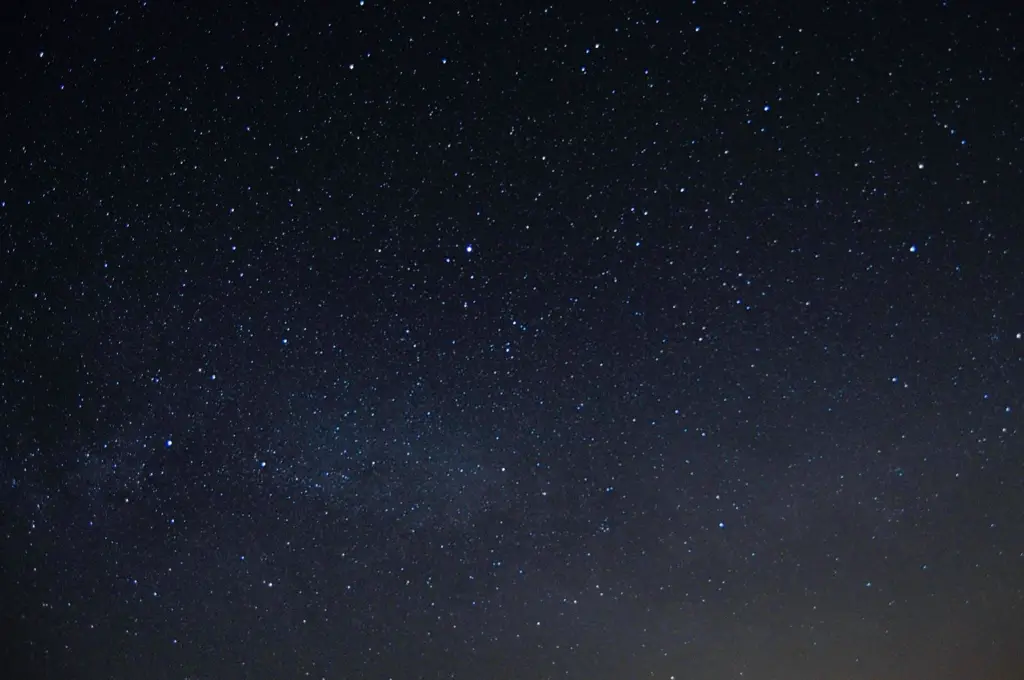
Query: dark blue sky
[376, 340]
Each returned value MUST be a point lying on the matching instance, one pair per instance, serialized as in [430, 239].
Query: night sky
[501, 340]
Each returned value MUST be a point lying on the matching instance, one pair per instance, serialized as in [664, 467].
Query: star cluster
[377, 340]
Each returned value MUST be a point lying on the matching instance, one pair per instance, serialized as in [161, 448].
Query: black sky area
[504, 340]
